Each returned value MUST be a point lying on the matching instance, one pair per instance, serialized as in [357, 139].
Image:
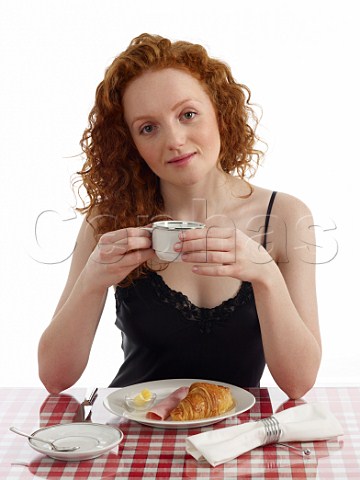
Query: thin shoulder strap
[267, 220]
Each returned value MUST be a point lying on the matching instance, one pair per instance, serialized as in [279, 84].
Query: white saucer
[94, 439]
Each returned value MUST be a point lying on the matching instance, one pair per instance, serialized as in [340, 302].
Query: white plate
[115, 403]
[94, 439]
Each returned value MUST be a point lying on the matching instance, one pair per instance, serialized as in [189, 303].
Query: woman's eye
[147, 129]
[189, 115]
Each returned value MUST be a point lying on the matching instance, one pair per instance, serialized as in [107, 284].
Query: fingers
[213, 245]
[113, 246]
[123, 236]
[206, 245]
[130, 260]
[214, 270]
[210, 257]
[210, 232]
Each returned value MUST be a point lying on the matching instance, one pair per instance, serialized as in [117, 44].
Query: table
[160, 454]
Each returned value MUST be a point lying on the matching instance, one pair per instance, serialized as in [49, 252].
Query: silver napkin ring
[272, 430]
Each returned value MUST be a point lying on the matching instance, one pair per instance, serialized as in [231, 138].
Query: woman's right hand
[116, 254]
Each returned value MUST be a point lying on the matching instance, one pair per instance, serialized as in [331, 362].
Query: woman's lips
[182, 159]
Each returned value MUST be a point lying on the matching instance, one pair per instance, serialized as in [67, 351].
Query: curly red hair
[120, 186]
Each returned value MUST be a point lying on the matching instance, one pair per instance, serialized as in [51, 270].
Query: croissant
[204, 400]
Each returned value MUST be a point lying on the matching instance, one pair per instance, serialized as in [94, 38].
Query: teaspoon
[53, 446]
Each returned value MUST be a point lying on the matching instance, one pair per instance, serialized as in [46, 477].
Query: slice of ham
[162, 409]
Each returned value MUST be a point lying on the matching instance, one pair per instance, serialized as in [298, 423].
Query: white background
[300, 59]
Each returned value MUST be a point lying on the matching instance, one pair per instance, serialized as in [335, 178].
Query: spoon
[53, 446]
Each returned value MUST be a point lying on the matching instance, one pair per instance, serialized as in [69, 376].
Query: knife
[83, 412]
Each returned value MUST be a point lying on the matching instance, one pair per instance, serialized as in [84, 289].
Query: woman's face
[173, 124]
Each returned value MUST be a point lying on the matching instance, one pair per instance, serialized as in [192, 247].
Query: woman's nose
[175, 137]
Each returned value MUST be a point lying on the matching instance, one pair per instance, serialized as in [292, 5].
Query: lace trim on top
[206, 316]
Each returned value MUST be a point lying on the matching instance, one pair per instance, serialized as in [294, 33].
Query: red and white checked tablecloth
[153, 453]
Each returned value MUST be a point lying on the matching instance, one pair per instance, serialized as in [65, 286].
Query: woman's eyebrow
[178, 104]
[173, 108]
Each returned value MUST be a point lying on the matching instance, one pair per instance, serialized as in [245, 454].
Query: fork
[83, 413]
[302, 451]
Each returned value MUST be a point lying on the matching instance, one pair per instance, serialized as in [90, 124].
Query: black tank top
[165, 336]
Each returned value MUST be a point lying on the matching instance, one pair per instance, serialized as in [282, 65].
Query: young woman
[172, 135]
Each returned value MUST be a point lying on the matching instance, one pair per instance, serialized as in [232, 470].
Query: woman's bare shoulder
[87, 231]
[285, 204]
[290, 223]
[87, 236]
[292, 209]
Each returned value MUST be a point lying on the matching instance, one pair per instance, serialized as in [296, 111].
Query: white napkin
[302, 423]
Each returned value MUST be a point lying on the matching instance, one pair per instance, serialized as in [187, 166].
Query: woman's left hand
[218, 251]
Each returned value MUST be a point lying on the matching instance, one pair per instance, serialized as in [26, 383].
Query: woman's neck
[200, 201]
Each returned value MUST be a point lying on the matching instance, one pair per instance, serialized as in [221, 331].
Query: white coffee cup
[165, 234]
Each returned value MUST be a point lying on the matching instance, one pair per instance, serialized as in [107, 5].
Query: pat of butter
[143, 397]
